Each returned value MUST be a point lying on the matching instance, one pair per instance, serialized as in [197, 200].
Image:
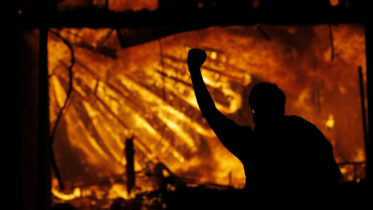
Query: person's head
[267, 102]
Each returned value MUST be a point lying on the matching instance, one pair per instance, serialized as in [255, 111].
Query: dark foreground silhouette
[62, 206]
[286, 158]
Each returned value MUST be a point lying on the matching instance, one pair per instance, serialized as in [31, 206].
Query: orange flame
[147, 91]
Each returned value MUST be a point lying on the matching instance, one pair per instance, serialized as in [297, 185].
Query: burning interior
[103, 92]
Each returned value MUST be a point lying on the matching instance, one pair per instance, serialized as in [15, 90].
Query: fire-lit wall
[146, 91]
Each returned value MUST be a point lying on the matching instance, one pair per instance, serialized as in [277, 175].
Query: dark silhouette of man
[282, 155]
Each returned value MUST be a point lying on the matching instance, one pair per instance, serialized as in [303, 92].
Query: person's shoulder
[294, 118]
[297, 121]
[303, 126]
[245, 129]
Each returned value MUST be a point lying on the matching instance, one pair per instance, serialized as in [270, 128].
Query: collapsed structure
[145, 91]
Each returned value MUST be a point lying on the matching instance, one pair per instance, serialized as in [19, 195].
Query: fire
[330, 122]
[119, 191]
[145, 91]
[75, 194]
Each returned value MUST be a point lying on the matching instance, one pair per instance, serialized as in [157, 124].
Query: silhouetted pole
[363, 113]
[130, 164]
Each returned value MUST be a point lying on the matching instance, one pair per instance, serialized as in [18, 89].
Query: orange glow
[146, 92]
[126, 5]
[119, 191]
[330, 122]
[111, 5]
[334, 2]
[66, 197]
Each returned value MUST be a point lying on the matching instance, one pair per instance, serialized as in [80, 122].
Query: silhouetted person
[282, 154]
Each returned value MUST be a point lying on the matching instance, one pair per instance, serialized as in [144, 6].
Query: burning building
[109, 84]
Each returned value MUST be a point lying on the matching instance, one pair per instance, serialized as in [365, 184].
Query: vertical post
[43, 171]
[363, 112]
[129, 150]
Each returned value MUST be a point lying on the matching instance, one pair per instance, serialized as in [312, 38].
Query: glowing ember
[146, 91]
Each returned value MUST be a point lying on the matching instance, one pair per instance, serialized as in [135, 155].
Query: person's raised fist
[196, 57]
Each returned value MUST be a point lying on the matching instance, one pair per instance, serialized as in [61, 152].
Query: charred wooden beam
[130, 169]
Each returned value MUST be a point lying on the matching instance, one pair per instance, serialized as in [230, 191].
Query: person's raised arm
[225, 129]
